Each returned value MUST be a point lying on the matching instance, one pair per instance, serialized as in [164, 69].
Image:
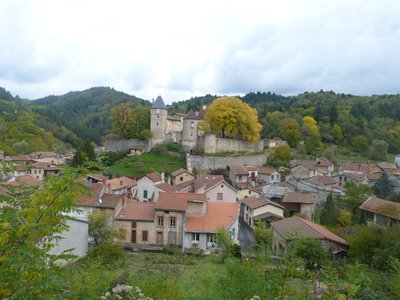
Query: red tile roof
[178, 172]
[154, 176]
[137, 211]
[382, 207]
[115, 184]
[90, 199]
[128, 181]
[294, 197]
[326, 180]
[207, 180]
[218, 215]
[267, 171]
[177, 201]
[296, 225]
[166, 187]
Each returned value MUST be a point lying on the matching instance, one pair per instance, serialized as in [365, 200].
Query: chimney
[162, 177]
[318, 161]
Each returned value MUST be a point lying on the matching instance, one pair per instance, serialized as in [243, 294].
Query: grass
[146, 163]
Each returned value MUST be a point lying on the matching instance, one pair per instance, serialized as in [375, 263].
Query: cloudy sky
[186, 48]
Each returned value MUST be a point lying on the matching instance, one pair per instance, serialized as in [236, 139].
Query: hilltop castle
[184, 129]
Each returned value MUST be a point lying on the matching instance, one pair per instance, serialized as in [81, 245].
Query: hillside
[85, 113]
[20, 135]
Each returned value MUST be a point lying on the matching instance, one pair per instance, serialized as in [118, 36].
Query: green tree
[101, 230]
[379, 150]
[225, 243]
[231, 117]
[20, 147]
[310, 251]
[29, 227]
[329, 212]
[363, 242]
[337, 133]
[290, 132]
[360, 144]
[354, 196]
[280, 156]
[383, 188]
[333, 115]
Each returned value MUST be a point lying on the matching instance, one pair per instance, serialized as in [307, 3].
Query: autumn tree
[123, 119]
[231, 117]
[313, 136]
[290, 132]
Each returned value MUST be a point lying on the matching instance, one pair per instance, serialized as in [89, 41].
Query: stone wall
[204, 162]
[122, 145]
[213, 144]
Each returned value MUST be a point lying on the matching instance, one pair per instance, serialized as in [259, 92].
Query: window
[249, 192]
[144, 235]
[145, 194]
[370, 216]
[272, 177]
[240, 178]
[160, 221]
[195, 237]
[219, 196]
[35, 171]
[181, 178]
[172, 221]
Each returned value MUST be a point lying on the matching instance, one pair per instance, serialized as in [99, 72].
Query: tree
[225, 243]
[123, 120]
[383, 187]
[231, 117]
[280, 156]
[290, 131]
[333, 115]
[360, 144]
[329, 212]
[354, 196]
[379, 149]
[20, 147]
[30, 225]
[84, 154]
[100, 229]
[310, 251]
[313, 136]
[337, 133]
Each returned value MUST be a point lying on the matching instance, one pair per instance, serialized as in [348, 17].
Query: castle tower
[190, 131]
[158, 121]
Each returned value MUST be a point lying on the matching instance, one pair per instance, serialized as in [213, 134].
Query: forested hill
[343, 119]
[86, 113]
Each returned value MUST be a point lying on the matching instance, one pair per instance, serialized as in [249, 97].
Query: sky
[181, 49]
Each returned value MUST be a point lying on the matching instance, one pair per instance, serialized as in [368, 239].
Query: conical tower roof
[159, 103]
[191, 115]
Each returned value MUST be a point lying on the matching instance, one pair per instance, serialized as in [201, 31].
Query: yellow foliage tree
[123, 118]
[229, 116]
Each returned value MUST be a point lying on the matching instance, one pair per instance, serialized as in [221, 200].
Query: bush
[108, 254]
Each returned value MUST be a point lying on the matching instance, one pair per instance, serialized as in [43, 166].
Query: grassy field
[146, 163]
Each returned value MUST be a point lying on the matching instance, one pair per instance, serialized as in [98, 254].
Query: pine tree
[383, 187]
[328, 212]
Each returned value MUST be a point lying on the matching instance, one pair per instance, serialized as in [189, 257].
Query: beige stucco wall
[228, 193]
[181, 178]
[140, 227]
[166, 228]
[146, 183]
[246, 193]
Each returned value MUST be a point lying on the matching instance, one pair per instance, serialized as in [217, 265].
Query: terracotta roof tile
[178, 172]
[308, 229]
[217, 215]
[116, 184]
[177, 201]
[294, 197]
[382, 207]
[128, 181]
[154, 176]
[137, 211]
[166, 187]
[326, 180]
[204, 180]
[268, 171]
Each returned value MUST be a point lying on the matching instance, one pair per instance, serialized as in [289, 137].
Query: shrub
[108, 254]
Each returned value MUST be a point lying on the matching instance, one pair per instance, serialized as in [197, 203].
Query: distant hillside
[85, 113]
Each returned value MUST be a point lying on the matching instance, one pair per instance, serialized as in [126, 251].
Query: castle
[184, 129]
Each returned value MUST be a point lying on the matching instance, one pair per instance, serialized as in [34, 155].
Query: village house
[299, 203]
[246, 190]
[286, 230]
[275, 193]
[47, 157]
[200, 230]
[268, 176]
[137, 219]
[237, 174]
[181, 176]
[304, 169]
[215, 187]
[365, 173]
[146, 187]
[276, 142]
[116, 186]
[253, 209]
[381, 212]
